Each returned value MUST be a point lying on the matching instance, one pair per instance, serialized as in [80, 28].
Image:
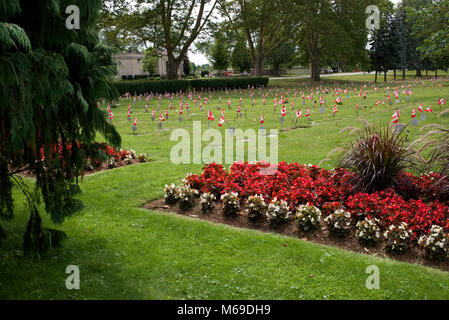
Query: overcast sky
[200, 59]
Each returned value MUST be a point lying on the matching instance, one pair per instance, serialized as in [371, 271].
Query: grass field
[125, 252]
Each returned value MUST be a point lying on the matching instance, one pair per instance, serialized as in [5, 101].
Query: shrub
[163, 86]
[186, 197]
[376, 157]
[368, 231]
[128, 159]
[207, 201]
[398, 238]
[308, 217]
[339, 222]
[439, 162]
[256, 207]
[435, 244]
[88, 165]
[278, 211]
[231, 203]
[111, 162]
[171, 194]
[143, 157]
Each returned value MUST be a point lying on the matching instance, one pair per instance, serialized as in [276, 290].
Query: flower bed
[299, 187]
[99, 156]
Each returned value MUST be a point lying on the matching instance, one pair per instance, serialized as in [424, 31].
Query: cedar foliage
[51, 78]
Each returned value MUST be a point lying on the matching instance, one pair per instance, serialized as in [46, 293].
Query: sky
[200, 59]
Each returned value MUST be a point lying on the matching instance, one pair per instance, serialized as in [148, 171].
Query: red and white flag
[181, 111]
[395, 117]
[442, 101]
[222, 120]
[111, 115]
[298, 114]
[210, 116]
[261, 119]
[283, 111]
[161, 117]
[420, 108]
[135, 122]
[429, 109]
[335, 109]
[307, 113]
[413, 113]
[338, 100]
[153, 113]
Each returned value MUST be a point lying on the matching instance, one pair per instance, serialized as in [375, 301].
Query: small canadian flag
[395, 117]
[111, 115]
[238, 109]
[166, 112]
[181, 111]
[420, 108]
[222, 120]
[338, 100]
[161, 117]
[210, 116]
[261, 119]
[135, 122]
[154, 113]
[307, 113]
[442, 101]
[335, 109]
[357, 106]
[414, 113]
[283, 111]
[429, 109]
[298, 114]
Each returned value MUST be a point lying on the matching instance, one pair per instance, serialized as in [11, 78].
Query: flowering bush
[143, 157]
[132, 153]
[171, 194]
[128, 159]
[231, 203]
[186, 197]
[308, 217]
[435, 244]
[368, 231]
[398, 238]
[111, 162]
[88, 165]
[278, 211]
[207, 201]
[256, 207]
[339, 222]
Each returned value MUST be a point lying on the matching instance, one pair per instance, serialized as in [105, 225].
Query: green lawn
[125, 252]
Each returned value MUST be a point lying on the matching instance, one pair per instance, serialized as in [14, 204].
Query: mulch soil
[290, 229]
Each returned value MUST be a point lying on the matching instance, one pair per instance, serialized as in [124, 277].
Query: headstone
[282, 120]
[159, 124]
[415, 122]
[321, 110]
[423, 117]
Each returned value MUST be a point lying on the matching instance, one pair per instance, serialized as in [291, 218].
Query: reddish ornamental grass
[329, 190]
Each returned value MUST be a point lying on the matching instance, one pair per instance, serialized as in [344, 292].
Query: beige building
[131, 64]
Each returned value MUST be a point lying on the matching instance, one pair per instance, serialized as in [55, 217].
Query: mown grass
[125, 252]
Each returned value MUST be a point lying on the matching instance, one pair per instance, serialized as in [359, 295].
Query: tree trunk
[375, 77]
[172, 67]
[394, 74]
[418, 73]
[316, 68]
[436, 73]
[403, 73]
[427, 73]
[385, 76]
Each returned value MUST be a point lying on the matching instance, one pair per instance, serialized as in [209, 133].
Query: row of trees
[254, 33]
[318, 32]
[414, 36]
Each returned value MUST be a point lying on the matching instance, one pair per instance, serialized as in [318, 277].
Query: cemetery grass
[126, 252]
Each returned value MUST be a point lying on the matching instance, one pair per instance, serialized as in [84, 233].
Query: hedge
[163, 86]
